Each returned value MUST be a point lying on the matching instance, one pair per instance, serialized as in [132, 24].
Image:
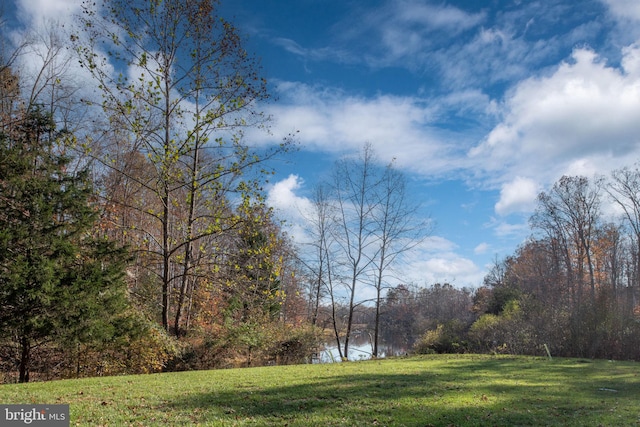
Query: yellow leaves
[143, 60]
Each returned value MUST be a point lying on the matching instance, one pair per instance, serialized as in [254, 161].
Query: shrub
[446, 338]
[507, 332]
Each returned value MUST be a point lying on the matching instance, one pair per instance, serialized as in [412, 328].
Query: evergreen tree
[58, 282]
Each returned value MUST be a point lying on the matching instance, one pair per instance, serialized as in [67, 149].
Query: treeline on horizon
[572, 286]
[135, 235]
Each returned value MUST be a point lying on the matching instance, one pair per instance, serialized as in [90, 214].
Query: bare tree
[624, 190]
[570, 215]
[320, 229]
[355, 182]
[397, 229]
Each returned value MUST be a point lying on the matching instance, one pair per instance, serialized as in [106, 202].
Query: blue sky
[483, 103]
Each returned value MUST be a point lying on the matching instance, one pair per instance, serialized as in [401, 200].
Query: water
[359, 349]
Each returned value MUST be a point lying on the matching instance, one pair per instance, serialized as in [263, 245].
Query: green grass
[419, 391]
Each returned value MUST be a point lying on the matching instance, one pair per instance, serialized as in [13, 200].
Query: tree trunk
[166, 263]
[188, 248]
[25, 359]
[376, 328]
[350, 317]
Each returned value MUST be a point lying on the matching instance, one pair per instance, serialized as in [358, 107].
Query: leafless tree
[570, 213]
[355, 182]
[397, 229]
[624, 190]
[570, 216]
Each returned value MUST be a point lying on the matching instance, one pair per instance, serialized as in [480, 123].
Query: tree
[501, 289]
[360, 227]
[355, 182]
[9, 80]
[320, 220]
[397, 230]
[183, 91]
[323, 276]
[399, 314]
[57, 281]
[624, 189]
[255, 281]
[570, 213]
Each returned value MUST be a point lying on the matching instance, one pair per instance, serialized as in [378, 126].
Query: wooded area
[135, 236]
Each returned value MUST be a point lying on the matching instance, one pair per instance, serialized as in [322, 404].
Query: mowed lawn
[443, 390]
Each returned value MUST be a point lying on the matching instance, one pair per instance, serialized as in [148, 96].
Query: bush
[293, 345]
[446, 338]
[508, 332]
[248, 344]
[145, 353]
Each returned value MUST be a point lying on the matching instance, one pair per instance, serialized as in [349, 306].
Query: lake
[360, 348]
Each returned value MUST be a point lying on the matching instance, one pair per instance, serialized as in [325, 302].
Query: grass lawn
[443, 390]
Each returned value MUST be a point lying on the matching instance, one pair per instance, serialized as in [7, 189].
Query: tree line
[572, 289]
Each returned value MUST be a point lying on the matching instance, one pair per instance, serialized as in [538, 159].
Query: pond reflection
[360, 348]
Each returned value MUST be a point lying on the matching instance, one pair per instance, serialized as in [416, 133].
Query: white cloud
[482, 248]
[35, 12]
[451, 268]
[290, 206]
[583, 114]
[43, 30]
[332, 121]
[625, 9]
[509, 230]
[631, 60]
[401, 32]
[436, 261]
[436, 244]
[434, 16]
[466, 46]
[433, 260]
[518, 195]
[282, 195]
[406, 26]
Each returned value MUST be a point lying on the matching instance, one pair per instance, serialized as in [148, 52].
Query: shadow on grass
[506, 392]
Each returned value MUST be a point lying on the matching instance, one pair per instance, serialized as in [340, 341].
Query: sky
[483, 104]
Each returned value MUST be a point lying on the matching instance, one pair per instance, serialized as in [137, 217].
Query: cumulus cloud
[42, 30]
[518, 195]
[436, 260]
[583, 114]
[283, 197]
[510, 230]
[450, 268]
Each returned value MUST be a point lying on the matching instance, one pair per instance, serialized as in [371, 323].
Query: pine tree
[58, 283]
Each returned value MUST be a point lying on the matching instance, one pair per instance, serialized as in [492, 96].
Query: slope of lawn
[446, 390]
